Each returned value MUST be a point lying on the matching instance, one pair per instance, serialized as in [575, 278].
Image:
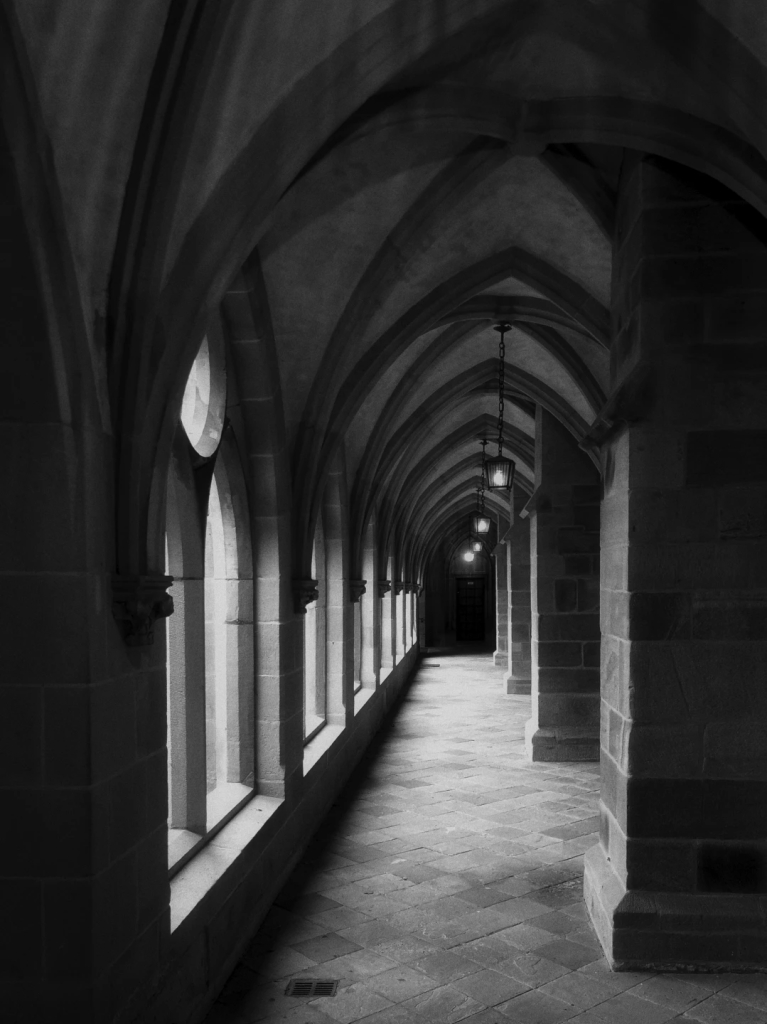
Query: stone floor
[446, 886]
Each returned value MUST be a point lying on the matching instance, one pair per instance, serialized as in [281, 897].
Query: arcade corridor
[447, 886]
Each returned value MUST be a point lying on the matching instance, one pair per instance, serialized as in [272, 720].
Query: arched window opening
[315, 665]
[210, 634]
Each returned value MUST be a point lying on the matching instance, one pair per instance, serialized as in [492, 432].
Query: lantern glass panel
[500, 473]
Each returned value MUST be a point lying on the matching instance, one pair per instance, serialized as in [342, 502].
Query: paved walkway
[447, 887]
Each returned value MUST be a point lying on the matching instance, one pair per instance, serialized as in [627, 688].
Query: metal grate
[311, 987]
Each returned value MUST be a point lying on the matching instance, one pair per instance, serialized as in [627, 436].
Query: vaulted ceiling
[405, 175]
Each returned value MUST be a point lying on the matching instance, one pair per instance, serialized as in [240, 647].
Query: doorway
[470, 608]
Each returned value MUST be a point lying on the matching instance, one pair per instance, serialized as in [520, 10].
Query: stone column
[679, 879]
[387, 626]
[564, 598]
[501, 652]
[517, 540]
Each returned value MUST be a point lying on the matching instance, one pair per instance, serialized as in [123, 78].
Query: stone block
[721, 458]
[734, 808]
[579, 565]
[558, 654]
[734, 318]
[568, 627]
[21, 735]
[592, 654]
[578, 710]
[664, 808]
[569, 680]
[588, 594]
[113, 726]
[21, 937]
[661, 865]
[733, 619]
[659, 616]
[56, 607]
[742, 512]
[56, 834]
[67, 929]
[565, 595]
[576, 540]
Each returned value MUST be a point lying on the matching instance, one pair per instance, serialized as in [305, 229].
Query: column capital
[137, 602]
[384, 586]
[304, 592]
[356, 589]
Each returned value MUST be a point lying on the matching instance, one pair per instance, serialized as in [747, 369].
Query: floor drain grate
[311, 987]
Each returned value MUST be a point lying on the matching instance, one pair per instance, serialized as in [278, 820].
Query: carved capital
[137, 602]
[399, 586]
[384, 586]
[304, 592]
[356, 589]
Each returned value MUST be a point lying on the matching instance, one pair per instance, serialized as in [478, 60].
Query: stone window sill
[361, 697]
[318, 746]
[206, 867]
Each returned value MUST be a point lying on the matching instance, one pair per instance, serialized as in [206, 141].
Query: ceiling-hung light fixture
[500, 470]
[481, 522]
[468, 556]
[476, 546]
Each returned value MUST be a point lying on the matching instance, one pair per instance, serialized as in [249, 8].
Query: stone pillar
[679, 878]
[564, 598]
[517, 541]
[387, 626]
[501, 652]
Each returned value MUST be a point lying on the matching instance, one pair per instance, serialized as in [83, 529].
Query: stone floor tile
[484, 896]
[279, 963]
[750, 989]
[349, 969]
[490, 987]
[489, 1016]
[525, 937]
[401, 983]
[445, 966]
[558, 924]
[626, 1008]
[719, 1009]
[326, 947]
[570, 954]
[580, 990]
[444, 1005]
[672, 991]
[616, 981]
[352, 1003]
[537, 1008]
[532, 969]
[405, 949]
[343, 917]
[371, 933]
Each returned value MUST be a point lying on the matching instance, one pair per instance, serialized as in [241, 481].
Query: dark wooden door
[470, 608]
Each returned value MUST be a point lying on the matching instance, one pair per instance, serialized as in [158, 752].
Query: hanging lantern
[476, 546]
[468, 556]
[500, 470]
[500, 473]
[481, 524]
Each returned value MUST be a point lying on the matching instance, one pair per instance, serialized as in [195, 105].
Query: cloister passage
[255, 257]
[447, 885]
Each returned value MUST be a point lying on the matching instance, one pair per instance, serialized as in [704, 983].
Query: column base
[500, 659]
[671, 931]
[517, 684]
[561, 742]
